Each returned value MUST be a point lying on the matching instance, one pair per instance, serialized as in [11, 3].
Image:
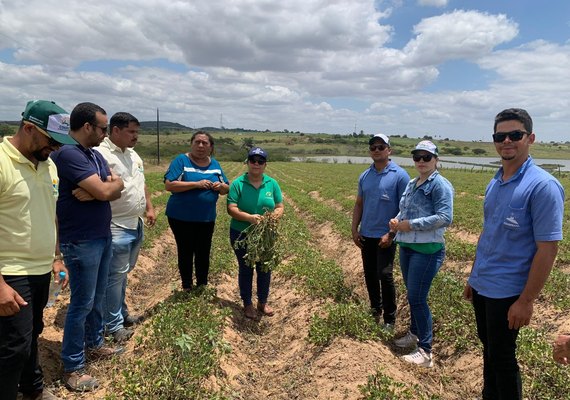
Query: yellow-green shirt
[27, 213]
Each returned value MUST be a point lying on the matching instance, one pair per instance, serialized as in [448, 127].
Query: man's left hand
[150, 218]
[519, 314]
[385, 241]
[57, 267]
[82, 194]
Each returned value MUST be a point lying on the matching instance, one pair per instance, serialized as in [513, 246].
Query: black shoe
[131, 320]
[122, 335]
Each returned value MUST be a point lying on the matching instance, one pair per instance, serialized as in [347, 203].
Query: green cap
[50, 118]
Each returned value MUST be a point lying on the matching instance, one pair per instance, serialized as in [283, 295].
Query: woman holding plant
[426, 209]
[253, 197]
[195, 180]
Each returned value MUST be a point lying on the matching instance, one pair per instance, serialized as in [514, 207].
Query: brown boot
[103, 352]
[80, 381]
[265, 309]
[249, 312]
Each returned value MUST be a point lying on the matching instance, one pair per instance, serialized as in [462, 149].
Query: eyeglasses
[103, 128]
[380, 147]
[260, 161]
[53, 143]
[514, 136]
[425, 157]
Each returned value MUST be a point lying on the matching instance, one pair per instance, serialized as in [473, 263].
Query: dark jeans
[501, 375]
[245, 275]
[378, 272]
[19, 333]
[193, 242]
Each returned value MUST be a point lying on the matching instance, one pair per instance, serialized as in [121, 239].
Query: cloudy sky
[415, 67]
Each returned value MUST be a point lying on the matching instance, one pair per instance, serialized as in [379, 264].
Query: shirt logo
[55, 187]
[268, 194]
[511, 222]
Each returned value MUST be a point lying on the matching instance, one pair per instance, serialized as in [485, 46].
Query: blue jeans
[126, 247]
[88, 265]
[418, 271]
[245, 275]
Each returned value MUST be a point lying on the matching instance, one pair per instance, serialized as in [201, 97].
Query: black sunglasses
[425, 157]
[53, 143]
[380, 147]
[259, 161]
[103, 128]
[514, 136]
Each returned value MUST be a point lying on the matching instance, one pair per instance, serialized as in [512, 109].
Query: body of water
[475, 163]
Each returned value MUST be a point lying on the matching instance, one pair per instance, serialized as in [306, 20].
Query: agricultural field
[282, 146]
[322, 343]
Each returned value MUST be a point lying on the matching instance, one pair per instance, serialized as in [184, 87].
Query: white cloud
[297, 65]
[458, 35]
[433, 3]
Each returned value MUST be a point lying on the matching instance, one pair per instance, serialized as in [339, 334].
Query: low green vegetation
[381, 387]
[351, 320]
[176, 357]
[321, 277]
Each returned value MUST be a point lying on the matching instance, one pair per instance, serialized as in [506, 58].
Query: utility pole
[221, 121]
[157, 139]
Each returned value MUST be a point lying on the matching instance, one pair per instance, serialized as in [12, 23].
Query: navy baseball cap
[256, 151]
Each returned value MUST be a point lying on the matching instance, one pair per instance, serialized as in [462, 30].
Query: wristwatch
[58, 257]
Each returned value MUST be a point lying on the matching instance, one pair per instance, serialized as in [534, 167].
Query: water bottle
[55, 288]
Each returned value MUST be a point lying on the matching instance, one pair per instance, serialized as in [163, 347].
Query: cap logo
[58, 123]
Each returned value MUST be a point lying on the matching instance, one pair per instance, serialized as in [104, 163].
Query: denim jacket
[429, 209]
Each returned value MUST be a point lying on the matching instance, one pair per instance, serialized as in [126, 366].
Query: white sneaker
[410, 340]
[419, 357]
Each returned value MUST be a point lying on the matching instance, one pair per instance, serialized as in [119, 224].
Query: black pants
[501, 375]
[378, 273]
[19, 364]
[193, 241]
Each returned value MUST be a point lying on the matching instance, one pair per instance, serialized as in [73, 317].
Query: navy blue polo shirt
[80, 220]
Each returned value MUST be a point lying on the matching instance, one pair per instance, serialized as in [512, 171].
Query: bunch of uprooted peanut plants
[261, 243]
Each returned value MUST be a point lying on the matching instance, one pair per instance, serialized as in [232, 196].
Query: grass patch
[322, 278]
[382, 387]
[543, 378]
[176, 357]
[345, 319]
[454, 320]
[557, 289]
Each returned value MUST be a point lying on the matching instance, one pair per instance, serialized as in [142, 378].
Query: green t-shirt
[424, 248]
[252, 200]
